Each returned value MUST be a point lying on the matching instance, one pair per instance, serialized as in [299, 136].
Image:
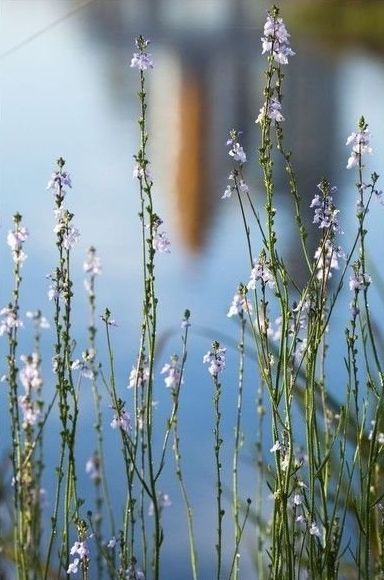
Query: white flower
[173, 374]
[9, 321]
[297, 499]
[29, 375]
[359, 281]
[163, 501]
[272, 112]
[138, 377]
[92, 467]
[70, 237]
[30, 410]
[142, 61]
[73, 568]
[276, 40]
[215, 358]
[239, 305]
[276, 447]
[112, 542]
[121, 421]
[161, 243]
[58, 181]
[260, 272]
[238, 153]
[227, 192]
[92, 264]
[360, 146]
[134, 573]
[314, 530]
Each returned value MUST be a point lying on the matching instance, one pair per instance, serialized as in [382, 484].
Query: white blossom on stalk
[359, 281]
[134, 573]
[30, 410]
[327, 259]
[239, 305]
[314, 530]
[81, 551]
[85, 365]
[138, 376]
[326, 214]
[70, 237]
[121, 420]
[277, 446]
[173, 373]
[272, 112]
[161, 243]
[29, 375]
[276, 39]
[92, 263]
[37, 317]
[360, 142]
[236, 151]
[260, 272]
[142, 61]
[59, 181]
[15, 240]
[215, 358]
[234, 185]
[10, 321]
[92, 467]
[163, 501]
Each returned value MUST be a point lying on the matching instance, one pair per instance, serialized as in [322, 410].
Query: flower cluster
[327, 259]
[39, 320]
[160, 241]
[141, 60]
[121, 420]
[236, 151]
[92, 263]
[16, 239]
[236, 183]
[215, 358]
[326, 214]
[163, 501]
[29, 375]
[138, 376]
[260, 272]
[10, 321]
[173, 373]
[271, 111]
[81, 551]
[68, 233]
[85, 364]
[360, 142]
[359, 281]
[239, 304]
[276, 39]
[59, 181]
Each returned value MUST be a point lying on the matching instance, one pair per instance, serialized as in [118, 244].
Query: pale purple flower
[326, 214]
[360, 146]
[142, 61]
[37, 317]
[121, 420]
[59, 181]
[161, 243]
[260, 272]
[15, 240]
[73, 567]
[239, 305]
[70, 237]
[10, 321]
[238, 183]
[297, 499]
[301, 522]
[173, 374]
[215, 358]
[30, 411]
[276, 40]
[92, 264]
[85, 365]
[138, 376]
[272, 112]
[237, 152]
[29, 375]
[81, 549]
[327, 259]
[314, 530]
[112, 543]
[134, 573]
[228, 191]
[359, 281]
[163, 501]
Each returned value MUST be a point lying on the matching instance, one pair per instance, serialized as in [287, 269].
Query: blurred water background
[67, 90]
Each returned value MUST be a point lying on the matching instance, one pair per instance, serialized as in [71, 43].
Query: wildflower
[106, 317]
[276, 447]
[173, 373]
[92, 467]
[134, 573]
[30, 410]
[73, 567]
[70, 237]
[92, 264]
[314, 530]
[325, 211]
[29, 375]
[272, 112]
[81, 549]
[16, 239]
[163, 501]
[236, 151]
[327, 257]
[112, 542]
[237, 185]
[276, 39]
[37, 317]
[239, 304]
[215, 358]
[297, 499]
[121, 420]
[260, 272]
[10, 321]
[358, 281]
[138, 376]
[161, 243]
[301, 522]
[142, 61]
[85, 364]
[58, 181]
[360, 142]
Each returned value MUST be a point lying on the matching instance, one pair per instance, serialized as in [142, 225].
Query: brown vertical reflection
[192, 175]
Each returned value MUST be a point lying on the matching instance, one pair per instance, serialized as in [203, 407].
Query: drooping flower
[215, 358]
[276, 39]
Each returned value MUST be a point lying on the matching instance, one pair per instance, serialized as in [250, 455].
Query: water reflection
[70, 92]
